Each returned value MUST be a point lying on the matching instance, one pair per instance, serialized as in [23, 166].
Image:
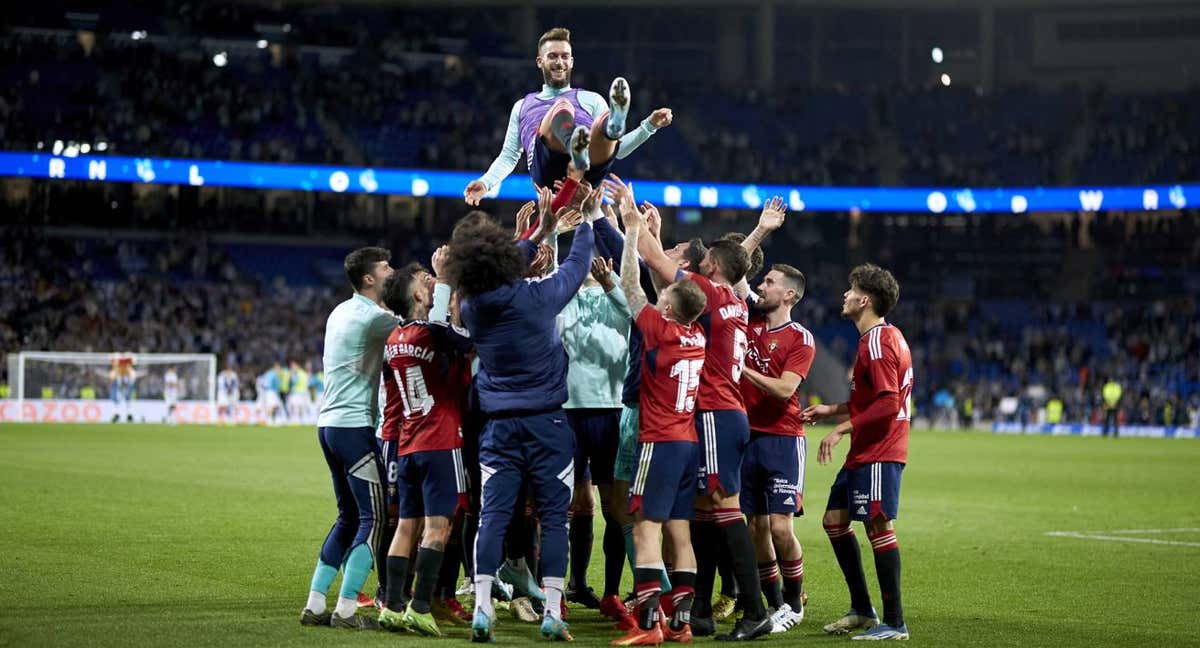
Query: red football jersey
[789, 347]
[724, 320]
[672, 359]
[425, 373]
[883, 365]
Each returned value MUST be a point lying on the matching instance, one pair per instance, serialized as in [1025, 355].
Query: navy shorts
[546, 166]
[431, 483]
[664, 481]
[723, 437]
[868, 492]
[387, 454]
[773, 474]
[597, 434]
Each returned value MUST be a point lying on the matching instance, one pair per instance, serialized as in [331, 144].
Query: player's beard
[552, 82]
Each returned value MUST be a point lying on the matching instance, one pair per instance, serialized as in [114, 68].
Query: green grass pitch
[139, 535]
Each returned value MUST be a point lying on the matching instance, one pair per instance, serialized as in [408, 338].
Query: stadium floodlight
[937, 55]
[220, 59]
[261, 44]
[138, 34]
[946, 80]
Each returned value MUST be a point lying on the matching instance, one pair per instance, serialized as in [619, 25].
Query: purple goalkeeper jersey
[534, 109]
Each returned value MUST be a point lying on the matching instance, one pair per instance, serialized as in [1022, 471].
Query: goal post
[76, 385]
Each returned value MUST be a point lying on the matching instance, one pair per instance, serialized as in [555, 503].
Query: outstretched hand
[438, 262]
[620, 193]
[602, 272]
[772, 215]
[817, 413]
[568, 219]
[474, 192]
[653, 218]
[591, 200]
[525, 218]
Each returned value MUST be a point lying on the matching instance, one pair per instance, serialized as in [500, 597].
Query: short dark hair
[397, 290]
[694, 253]
[878, 284]
[554, 34]
[688, 300]
[361, 262]
[731, 258]
[794, 276]
[757, 258]
[483, 257]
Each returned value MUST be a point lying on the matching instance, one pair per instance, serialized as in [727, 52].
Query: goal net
[76, 387]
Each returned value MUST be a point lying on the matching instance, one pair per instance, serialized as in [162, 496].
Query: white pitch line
[1096, 536]
[1139, 531]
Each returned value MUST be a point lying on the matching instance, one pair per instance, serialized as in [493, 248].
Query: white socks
[554, 596]
[483, 595]
[316, 602]
[346, 607]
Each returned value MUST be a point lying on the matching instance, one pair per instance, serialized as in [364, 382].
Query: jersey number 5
[739, 354]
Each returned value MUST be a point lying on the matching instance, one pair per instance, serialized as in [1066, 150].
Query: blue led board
[449, 184]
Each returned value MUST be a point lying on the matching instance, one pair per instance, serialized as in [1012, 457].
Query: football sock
[725, 571]
[429, 562]
[768, 579]
[316, 602]
[397, 571]
[682, 597]
[554, 596]
[448, 573]
[346, 607]
[887, 567]
[355, 570]
[322, 579]
[793, 581]
[705, 538]
[845, 547]
[614, 555]
[646, 587]
[581, 549]
[483, 595]
[469, 530]
[741, 548]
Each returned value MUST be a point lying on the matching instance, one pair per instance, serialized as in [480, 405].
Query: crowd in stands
[1033, 310]
[401, 99]
[163, 296]
[982, 352]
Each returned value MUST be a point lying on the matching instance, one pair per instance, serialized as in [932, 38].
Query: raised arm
[638, 136]
[653, 255]
[630, 284]
[510, 154]
[560, 286]
[769, 220]
[440, 310]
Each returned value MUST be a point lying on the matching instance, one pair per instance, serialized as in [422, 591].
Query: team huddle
[517, 388]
